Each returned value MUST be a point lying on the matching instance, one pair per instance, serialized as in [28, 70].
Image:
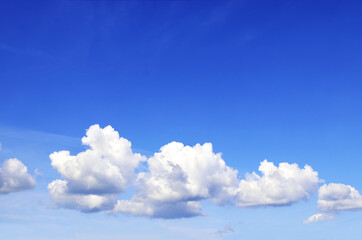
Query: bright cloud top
[338, 197]
[318, 218]
[14, 177]
[95, 177]
[177, 179]
[280, 185]
[179, 176]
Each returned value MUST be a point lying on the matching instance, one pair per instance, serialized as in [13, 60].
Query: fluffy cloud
[338, 197]
[14, 177]
[93, 178]
[318, 218]
[179, 176]
[282, 185]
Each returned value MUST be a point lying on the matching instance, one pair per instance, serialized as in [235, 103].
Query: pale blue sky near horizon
[276, 80]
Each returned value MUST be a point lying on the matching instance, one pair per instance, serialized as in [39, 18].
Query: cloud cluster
[14, 177]
[282, 185]
[338, 197]
[172, 182]
[94, 178]
[318, 218]
[177, 178]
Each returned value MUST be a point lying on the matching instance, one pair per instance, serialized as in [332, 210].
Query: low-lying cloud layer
[177, 178]
[14, 177]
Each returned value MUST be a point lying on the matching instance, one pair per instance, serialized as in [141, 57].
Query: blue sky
[276, 80]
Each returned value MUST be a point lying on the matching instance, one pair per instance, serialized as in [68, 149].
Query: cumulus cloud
[282, 185]
[178, 177]
[318, 218]
[14, 177]
[338, 197]
[94, 177]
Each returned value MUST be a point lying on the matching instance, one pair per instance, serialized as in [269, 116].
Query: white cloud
[179, 176]
[282, 185]
[318, 218]
[93, 177]
[14, 177]
[338, 197]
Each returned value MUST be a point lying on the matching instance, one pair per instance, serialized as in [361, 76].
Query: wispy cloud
[35, 136]
[24, 51]
[226, 230]
[318, 218]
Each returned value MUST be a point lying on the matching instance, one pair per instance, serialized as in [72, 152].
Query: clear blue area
[259, 79]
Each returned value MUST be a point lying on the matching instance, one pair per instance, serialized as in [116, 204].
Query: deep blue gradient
[272, 74]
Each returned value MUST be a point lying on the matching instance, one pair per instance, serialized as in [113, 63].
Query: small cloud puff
[37, 172]
[14, 177]
[318, 218]
[338, 197]
[226, 230]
